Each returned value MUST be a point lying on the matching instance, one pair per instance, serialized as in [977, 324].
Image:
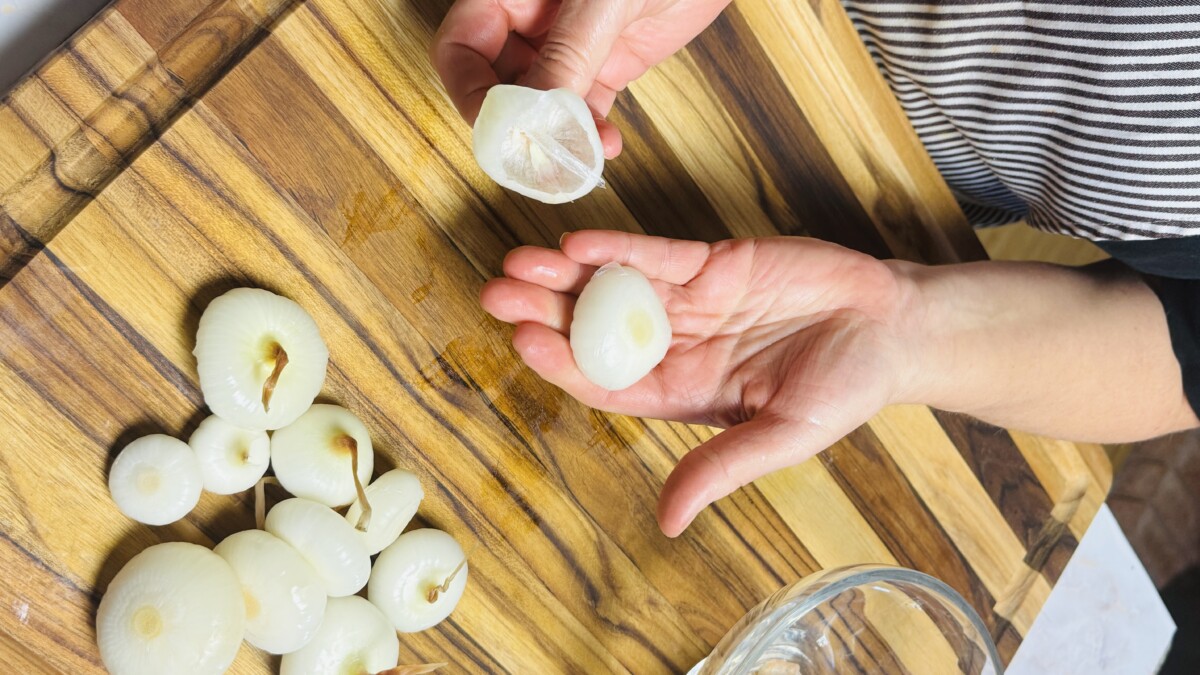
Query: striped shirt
[1083, 119]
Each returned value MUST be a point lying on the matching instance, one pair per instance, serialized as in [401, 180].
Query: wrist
[927, 338]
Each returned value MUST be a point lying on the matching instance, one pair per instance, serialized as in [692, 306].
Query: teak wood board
[319, 158]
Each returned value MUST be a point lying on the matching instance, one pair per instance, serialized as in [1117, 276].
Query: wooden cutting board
[174, 150]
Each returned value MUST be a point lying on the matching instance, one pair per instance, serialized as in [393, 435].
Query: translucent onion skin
[285, 599]
[354, 638]
[406, 571]
[325, 540]
[620, 330]
[233, 357]
[509, 106]
[394, 498]
[232, 459]
[155, 480]
[173, 608]
[312, 463]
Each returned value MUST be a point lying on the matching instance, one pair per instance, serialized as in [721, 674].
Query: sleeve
[1181, 300]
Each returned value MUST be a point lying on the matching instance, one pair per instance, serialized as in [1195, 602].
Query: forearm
[1076, 353]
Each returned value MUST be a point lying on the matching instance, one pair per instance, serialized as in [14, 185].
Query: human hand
[788, 343]
[592, 47]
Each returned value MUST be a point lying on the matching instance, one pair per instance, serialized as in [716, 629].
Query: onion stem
[260, 499]
[351, 445]
[281, 360]
[436, 591]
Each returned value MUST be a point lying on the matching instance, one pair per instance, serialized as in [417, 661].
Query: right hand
[593, 47]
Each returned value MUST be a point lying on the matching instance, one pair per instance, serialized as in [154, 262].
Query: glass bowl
[859, 619]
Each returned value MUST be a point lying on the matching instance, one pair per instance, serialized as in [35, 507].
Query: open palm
[786, 342]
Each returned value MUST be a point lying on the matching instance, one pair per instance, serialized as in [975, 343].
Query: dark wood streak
[653, 183]
[1014, 488]
[898, 514]
[781, 137]
[869, 649]
[39, 206]
[164, 366]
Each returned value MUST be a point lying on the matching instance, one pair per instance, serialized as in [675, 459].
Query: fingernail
[562, 237]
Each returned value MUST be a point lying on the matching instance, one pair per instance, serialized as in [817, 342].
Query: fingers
[674, 261]
[600, 100]
[577, 45]
[610, 138]
[513, 301]
[472, 37]
[548, 268]
[514, 59]
[548, 353]
[730, 460]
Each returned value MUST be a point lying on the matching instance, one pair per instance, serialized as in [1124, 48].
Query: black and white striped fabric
[1082, 118]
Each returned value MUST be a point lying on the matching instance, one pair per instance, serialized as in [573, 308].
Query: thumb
[577, 45]
[731, 459]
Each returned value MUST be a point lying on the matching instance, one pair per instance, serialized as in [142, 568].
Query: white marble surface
[1103, 616]
[31, 29]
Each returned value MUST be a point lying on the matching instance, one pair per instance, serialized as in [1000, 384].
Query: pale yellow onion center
[148, 480]
[147, 623]
[641, 327]
[239, 455]
[353, 665]
[253, 608]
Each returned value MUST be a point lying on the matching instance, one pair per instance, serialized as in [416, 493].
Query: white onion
[354, 639]
[284, 597]
[541, 144]
[238, 348]
[173, 608]
[326, 541]
[394, 498]
[232, 459]
[155, 480]
[407, 571]
[312, 458]
[620, 330]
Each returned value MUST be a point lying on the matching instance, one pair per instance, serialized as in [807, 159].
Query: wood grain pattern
[328, 166]
[40, 204]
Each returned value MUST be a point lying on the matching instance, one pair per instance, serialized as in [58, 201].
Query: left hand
[789, 343]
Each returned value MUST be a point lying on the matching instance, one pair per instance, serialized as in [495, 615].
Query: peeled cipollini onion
[155, 480]
[419, 579]
[354, 639]
[326, 541]
[284, 597]
[173, 608]
[314, 456]
[394, 498]
[232, 459]
[260, 357]
[541, 144]
[620, 330]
